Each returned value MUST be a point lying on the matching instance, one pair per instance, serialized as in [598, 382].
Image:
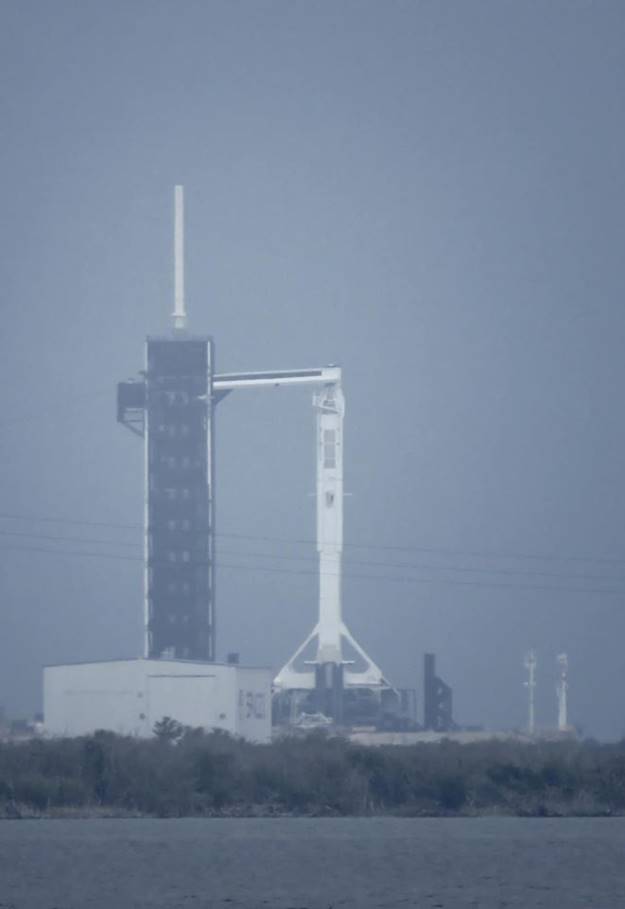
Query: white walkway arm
[276, 377]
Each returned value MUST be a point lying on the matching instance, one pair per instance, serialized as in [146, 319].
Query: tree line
[188, 772]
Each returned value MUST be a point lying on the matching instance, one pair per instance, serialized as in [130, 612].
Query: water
[312, 863]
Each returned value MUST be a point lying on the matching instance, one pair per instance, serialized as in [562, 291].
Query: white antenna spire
[562, 688]
[530, 665]
[180, 312]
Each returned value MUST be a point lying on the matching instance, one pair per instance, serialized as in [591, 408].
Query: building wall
[253, 710]
[130, 696]
[193, 700]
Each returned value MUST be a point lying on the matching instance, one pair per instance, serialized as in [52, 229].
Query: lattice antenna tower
[562, 691]
[530, 662]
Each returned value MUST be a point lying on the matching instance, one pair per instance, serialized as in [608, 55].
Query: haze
[429, 194]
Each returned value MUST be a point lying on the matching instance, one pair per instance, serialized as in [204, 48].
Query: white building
[130, 696]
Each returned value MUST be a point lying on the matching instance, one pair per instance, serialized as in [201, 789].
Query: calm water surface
[312, 863]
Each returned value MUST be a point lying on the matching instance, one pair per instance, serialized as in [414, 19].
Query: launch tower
[172, 409]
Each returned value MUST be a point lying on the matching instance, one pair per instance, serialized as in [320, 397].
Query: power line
[45, 519]
[64, 539]
[347, 575]
[474, 554]
[478, 554]
[445, 581]
[507, 572]
[53, 412]
[72, 552]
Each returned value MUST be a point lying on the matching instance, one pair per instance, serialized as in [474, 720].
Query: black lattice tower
[171, 408]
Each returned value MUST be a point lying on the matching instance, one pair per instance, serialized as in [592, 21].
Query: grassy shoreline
[214, 775]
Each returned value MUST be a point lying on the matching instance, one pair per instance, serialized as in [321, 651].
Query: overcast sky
[430, 194]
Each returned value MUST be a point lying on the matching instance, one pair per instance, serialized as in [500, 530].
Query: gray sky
[431, 194]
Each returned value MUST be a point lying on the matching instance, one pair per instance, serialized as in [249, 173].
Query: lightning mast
[530, 664]
[179, 314]
[562, 690]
